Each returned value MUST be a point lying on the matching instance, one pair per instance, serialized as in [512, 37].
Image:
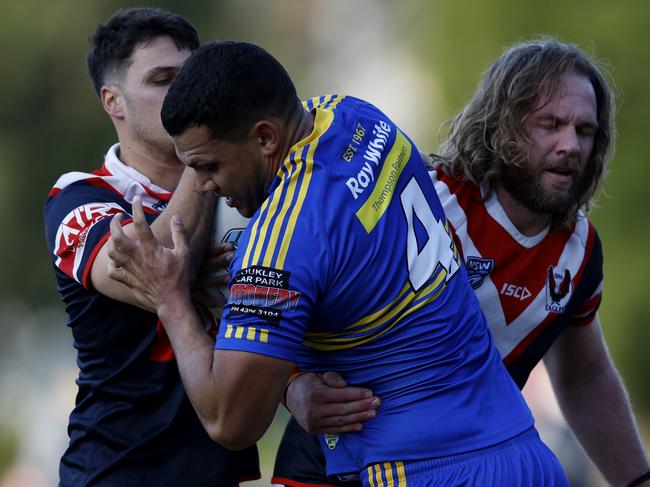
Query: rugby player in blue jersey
[516, 180]
[348, 264]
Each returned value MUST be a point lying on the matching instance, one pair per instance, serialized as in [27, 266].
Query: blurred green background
[419, 60]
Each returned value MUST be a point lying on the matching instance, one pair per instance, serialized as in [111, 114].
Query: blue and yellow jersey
[349, 265]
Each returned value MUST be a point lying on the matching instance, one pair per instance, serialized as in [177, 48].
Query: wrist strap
[294, 375]
[640, 479]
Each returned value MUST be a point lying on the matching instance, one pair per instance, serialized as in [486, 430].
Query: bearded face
[561, 130]
[550, 187]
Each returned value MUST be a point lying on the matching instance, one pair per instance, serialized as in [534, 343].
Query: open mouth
[560, 175]
[561, 171]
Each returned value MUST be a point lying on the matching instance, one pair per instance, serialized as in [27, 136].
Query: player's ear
[112, 101]
[267, 135]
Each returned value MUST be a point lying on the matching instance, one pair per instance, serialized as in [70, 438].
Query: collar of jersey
[117, 168]
[496, 211]
[322, 121]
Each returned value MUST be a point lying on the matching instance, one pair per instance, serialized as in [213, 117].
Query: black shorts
[301, 463]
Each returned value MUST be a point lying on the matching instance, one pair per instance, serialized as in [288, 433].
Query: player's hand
[213, 274]
[322, 403]
[153, 272]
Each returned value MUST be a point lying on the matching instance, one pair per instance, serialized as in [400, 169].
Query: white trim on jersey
[124, 179]
[129, 181]
[571, 259]
[508, 335]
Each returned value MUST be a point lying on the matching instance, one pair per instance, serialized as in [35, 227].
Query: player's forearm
[196, 211]
[194, 208]
[215, 400]
[599, 413]
[193, 348]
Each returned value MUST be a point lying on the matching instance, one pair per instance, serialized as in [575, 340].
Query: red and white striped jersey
[529, 288]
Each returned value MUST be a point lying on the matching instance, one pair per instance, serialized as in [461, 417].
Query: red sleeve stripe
[588, 320]
[93, 255]
[587, 312]
[588, 306]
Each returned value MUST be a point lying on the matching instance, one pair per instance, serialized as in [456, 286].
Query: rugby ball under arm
[227, 226]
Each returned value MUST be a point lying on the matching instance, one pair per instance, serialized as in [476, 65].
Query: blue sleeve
[279, 272]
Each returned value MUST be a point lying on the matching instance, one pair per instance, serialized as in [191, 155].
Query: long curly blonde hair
[488, 134]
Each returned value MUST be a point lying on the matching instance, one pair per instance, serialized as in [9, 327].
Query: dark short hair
[227, 86]
[116, 39]
[488, 134]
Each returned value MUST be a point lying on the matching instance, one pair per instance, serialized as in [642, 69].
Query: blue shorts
[521, 461]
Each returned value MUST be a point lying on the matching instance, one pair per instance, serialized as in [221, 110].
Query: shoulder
[585, 231]
[83, 193]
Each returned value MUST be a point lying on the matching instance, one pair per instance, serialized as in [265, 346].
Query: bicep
[77, 230]
[579, 350]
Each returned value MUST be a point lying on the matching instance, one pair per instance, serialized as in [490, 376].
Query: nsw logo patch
[478, 269]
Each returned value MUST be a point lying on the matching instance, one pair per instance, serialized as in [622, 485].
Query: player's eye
[162, 81]
[586, 130]
[549, 124]
[210, 167]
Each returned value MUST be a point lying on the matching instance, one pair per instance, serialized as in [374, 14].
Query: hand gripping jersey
[349, 266]
[530, 288]
[132, 423]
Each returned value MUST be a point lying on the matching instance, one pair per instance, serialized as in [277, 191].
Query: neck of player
[527, 221]
[300, 126]
[163, 168]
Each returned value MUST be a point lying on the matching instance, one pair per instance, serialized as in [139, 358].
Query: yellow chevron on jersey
[325, 102]
[296, 173]
[382, 194]
[373, 326]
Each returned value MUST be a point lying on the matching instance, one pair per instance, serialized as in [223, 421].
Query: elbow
[232, 437]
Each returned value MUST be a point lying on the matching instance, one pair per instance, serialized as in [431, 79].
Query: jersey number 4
[439, 249]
